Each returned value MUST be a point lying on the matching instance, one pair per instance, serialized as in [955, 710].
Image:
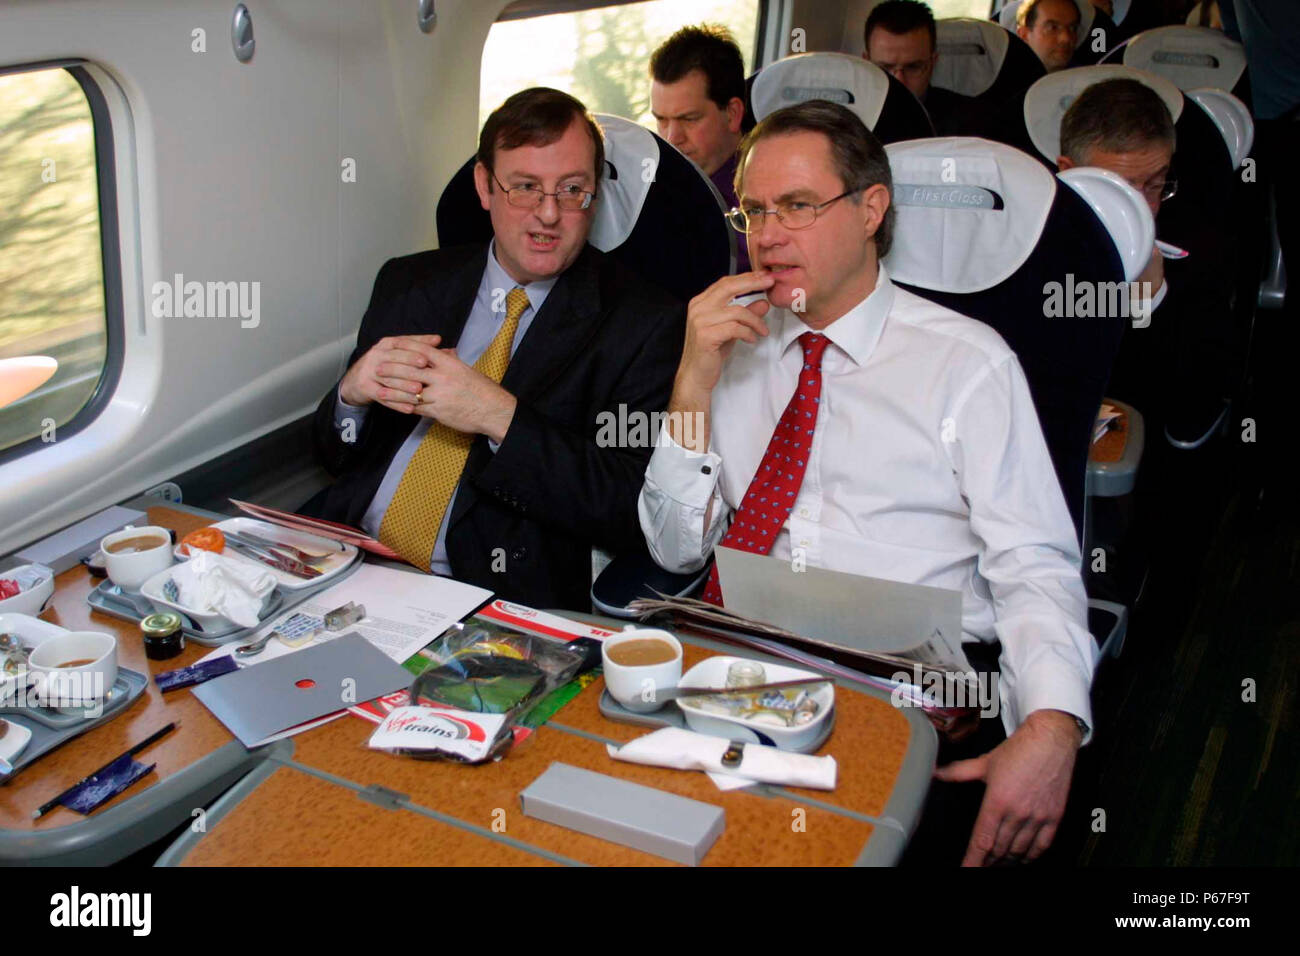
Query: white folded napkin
[210, 582]
[687, 750]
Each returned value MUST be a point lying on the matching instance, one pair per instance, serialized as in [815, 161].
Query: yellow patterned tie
[411, 523]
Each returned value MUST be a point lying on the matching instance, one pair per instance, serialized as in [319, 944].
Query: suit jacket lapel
[568, 320]
[450, 298]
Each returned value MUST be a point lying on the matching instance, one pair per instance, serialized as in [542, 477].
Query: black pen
[152, 738]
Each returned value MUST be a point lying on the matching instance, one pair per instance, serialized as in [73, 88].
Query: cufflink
[706, 469]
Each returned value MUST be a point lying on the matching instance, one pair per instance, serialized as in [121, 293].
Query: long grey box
[676, 828]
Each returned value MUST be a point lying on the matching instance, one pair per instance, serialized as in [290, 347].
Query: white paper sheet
[405, 610]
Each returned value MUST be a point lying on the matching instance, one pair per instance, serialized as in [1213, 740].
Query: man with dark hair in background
[905, 441]
[1180, 370]
[1051, 28]
[697, 96]
[463, 434]
[900, 38]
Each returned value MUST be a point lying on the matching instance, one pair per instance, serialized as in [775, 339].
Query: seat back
[656, 212]
[979, 59]
[1097, 32]
[1190, 58]
[1201, 215]
[884, 104]
[986, 230]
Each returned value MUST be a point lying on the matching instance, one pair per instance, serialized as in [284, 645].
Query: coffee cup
[638, 663]
[73, 672]
[133, 555]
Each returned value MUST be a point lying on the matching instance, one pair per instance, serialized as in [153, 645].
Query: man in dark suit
[900, 38]
[464, 433]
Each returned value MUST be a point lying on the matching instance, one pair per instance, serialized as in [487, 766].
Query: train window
[52, 298]
[601, 55]
[944, 9]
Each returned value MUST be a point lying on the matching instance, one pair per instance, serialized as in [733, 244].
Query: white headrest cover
[627, 149]
[969, 212]
[1121, 209]
[1051, 95]
[848, 80]
[1190, 57]
[1232, 118]
[971, 53]
[1007, 17]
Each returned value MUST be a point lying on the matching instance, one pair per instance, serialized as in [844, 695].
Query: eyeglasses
[792, 215]
[570, 197]
[912, 70]
[1161, 190]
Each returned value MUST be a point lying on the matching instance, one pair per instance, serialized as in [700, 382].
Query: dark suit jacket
[956, 115]
[602, 339]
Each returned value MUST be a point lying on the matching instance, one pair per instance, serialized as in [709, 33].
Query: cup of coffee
[73, 672]
[638, 663]
[133, 555]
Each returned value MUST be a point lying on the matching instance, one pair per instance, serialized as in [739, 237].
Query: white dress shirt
[927, 466]
[485, 319]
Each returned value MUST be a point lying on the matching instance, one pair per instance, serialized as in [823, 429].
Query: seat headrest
[1049, 98]
[1190, 57]
[1122, 210]
[1007, 17]
[656, 212]
[971, 54]
[850, 81]
[969, 212]
[1233, 119]
[629, 150]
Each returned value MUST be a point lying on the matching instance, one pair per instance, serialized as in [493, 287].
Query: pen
[49, 805]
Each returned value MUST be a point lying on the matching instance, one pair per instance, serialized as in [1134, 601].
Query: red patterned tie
[771, 495]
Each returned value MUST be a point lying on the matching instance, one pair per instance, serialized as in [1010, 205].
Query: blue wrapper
[105, 785]
[195, 673]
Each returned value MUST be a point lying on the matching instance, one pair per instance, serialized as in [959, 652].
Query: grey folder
[264, 699]
[850, 610]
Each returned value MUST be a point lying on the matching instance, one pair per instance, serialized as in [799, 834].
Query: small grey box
[642, 818]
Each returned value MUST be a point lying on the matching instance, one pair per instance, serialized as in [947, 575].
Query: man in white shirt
[925, 464]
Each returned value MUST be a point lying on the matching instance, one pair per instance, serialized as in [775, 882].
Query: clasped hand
[410, 374]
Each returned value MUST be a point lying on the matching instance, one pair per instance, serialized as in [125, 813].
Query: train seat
[884, 104]
[985, 230]
[979, 59]
[1189, 57]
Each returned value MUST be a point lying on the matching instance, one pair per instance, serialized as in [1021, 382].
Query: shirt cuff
[1051, 678]
[343, 413]
[685, 476]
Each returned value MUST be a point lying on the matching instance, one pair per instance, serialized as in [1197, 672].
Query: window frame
[109, 249]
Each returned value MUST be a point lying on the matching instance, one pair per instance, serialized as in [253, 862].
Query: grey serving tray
[50, 729]
[671, 716]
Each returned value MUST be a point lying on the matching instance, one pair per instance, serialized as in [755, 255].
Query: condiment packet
[195, 673]
[105, 785]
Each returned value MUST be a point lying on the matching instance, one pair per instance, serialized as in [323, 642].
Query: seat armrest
[1108, 623]
[636, 575]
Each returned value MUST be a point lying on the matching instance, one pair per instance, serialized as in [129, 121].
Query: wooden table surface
[278, 824]
[198, 736]
[307, 809]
